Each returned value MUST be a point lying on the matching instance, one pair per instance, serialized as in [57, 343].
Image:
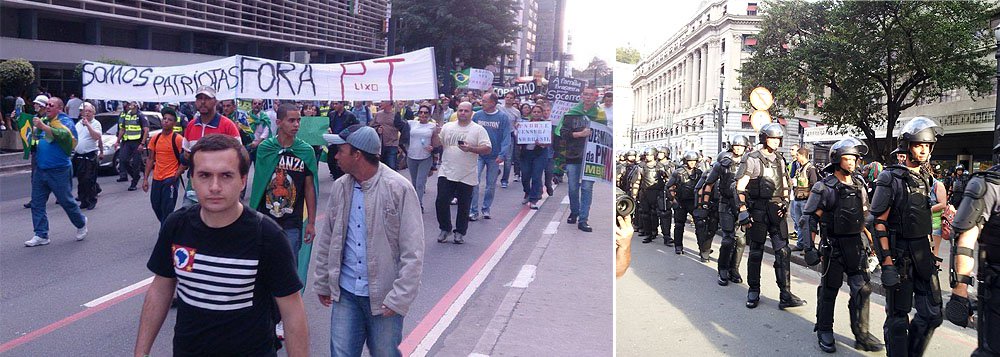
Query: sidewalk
[564, 285]
[14, 161]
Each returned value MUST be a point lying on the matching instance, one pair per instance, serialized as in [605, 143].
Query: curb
[15, 168]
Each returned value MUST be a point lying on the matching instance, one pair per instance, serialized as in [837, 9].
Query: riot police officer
[682, 188]
[664, 211]
[722, 181]
[650, 191]
[838, 204]
[957, 186]
[626, 172]
[978, 221]
[902, 212]
[706, 215]
[762, 192]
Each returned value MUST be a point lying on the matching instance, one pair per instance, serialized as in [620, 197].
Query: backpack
[173, 144]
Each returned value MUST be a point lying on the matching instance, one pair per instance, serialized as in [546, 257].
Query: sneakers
[517, 178]
[36, 241]
[443, 237]
[81, 232]
[454, 201]
[549, 190]
[486, 214]
[122, 179]
[474, 216]
[279, 330]
[132, 188]
[503, 185]
[459, 238]
[525, 201]
[534, 205]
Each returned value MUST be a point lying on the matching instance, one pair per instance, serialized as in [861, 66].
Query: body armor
[771, 182]
[912, 214]
[685, 181]
[848, 216]
[727, 178]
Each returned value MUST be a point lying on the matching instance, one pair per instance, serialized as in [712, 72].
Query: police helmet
[771, 130]
[665, 151]
[691, 155]
[918, 130]
[849, 146]
[739, 140]
[959, 167]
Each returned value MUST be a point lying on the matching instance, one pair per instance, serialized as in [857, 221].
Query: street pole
[720, 111]
[996, 112]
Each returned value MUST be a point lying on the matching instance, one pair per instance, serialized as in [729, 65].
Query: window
[752, 9]
[749, 42]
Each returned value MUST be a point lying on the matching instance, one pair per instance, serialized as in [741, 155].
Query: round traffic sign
[759, 118]
[761, 98]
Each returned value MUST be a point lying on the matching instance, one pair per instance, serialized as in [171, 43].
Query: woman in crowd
[423, 140]
[525, 110]
[534, 159]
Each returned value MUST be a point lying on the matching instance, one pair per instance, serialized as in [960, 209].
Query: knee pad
[783, 253]
[859, 286]
[897, 324]
[756, 251]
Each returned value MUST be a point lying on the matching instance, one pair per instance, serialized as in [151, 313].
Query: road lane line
[118, 293]
[551, 228]
[524, 277]
[31, 336]
[432, 326]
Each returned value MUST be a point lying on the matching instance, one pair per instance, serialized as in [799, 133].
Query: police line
[407, 76]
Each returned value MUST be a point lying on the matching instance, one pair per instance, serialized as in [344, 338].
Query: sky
[598, 27]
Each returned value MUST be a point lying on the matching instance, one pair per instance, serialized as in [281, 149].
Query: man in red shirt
[206, 121]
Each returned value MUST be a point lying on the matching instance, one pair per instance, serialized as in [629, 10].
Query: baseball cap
[41, 100]
[206, 90]
[361, 137]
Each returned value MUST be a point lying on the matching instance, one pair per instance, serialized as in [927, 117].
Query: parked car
[109, 122]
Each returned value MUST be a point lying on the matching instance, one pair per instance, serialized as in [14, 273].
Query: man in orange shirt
[164, 161]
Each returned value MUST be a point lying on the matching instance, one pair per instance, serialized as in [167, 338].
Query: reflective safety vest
[133, 128]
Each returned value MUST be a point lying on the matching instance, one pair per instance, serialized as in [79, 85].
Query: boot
[735, 277]
[863, 340]
[826, 341]
[648, 239]
[723, 277]
[784, 277]
[753, 298]
[734, 265]
[725, 257]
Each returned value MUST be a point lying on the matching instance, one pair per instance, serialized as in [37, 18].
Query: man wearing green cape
[574, 131]
[285, 185]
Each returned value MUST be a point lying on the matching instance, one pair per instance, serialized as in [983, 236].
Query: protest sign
[565, 89]
[521, 90]
[597, 161]
[531, 132]
[408, 76]
[559, 108]
[311, 130]
[473, 78]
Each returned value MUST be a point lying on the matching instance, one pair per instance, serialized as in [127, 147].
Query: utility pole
[720, 112]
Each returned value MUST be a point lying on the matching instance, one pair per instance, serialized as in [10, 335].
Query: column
[705, 58]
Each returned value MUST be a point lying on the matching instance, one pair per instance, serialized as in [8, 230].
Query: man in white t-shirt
[73, 106]
[87, 155]
[463, 142]
[607, 105]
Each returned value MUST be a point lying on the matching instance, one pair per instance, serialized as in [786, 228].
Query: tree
[859, 64]
[15, 76]
[598, 68]
[477, 32]
[628, 55]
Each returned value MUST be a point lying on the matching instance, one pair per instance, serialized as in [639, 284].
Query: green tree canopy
[859, 64]
[16, 75]
[598, 70]
[476, 32]
[628, 55]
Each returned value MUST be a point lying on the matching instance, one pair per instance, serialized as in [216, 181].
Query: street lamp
[996, 113]
[721, 112]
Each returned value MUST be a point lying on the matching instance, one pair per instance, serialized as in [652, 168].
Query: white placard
[480, 79]
[598, 164]
[408, 76]
[531, 132]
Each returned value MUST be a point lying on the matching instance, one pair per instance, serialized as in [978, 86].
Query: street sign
[759, 118]
[761, 98]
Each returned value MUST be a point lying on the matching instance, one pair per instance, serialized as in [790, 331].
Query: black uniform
[722, 178]
[767, 206]
[650, 191]
[905, 194]
[706, 219]
[664, 211]
[844, 249]
[682, 185]
[957, 188]
[981, 208]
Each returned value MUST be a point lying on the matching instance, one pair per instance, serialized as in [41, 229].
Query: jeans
[389, 154]
[580, 193]
[492, 169]
[294, 236]
[446, 190]
[129, 160]
[352, 326]
[418, 175]
[85, 166]
[510, 163]
[801, 230]
[163, 197]
[58, 181]
[532, 171]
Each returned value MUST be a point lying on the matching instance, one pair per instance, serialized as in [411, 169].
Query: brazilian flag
[461, 77]
[24, 128]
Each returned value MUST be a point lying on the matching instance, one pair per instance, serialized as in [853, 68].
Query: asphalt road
[43, 289]
[667, 302]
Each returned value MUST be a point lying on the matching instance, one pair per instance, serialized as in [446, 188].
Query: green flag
[24, 127]
[461, 77]
[311, 130]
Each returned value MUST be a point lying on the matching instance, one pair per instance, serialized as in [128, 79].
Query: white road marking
[551, 228]
[478, 355]
[118, 293]
[524, 277]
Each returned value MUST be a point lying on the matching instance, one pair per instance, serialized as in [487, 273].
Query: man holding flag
[56, 140]
[284, 180]
[574, 131]
[24, 127]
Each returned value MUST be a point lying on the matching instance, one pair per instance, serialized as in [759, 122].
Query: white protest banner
[597, 162]
[480, 78]
[531, 132]
[408, 76]
[559, 108]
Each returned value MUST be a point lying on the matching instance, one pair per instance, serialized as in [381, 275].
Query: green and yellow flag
[24, 128]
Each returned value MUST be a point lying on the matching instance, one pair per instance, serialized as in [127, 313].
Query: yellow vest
[133, 129]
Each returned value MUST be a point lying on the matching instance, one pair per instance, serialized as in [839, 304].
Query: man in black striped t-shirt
[229, 264]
